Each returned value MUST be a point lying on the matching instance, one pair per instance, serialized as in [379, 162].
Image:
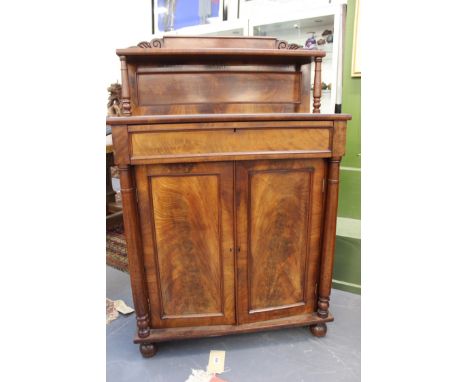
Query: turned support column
[329, 232]
[134, 250]
[317, 84]
[125, 100]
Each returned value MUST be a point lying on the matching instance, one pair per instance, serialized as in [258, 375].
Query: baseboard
[347, 287]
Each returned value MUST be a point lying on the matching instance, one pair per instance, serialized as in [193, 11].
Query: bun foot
[148, 350]
[318, 330]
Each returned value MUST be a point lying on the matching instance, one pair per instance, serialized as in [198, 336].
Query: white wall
[132, 20]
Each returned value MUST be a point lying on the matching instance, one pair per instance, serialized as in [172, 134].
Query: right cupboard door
[279, 219]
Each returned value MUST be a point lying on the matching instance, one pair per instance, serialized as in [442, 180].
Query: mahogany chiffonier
[229, 186]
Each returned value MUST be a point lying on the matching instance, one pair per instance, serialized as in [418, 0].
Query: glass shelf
[297, 31]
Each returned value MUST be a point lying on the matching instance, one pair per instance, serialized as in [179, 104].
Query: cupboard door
[186, 216]
[279, 215]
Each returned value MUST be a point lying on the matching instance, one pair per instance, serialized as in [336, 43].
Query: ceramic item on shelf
[311, 43]
[326, 32]
[321, 41]
[330, 38]
[329, 86]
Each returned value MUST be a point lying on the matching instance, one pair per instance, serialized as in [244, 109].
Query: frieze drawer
[180, 145]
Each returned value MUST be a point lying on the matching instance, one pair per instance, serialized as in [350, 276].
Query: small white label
[122, 307]
[216, 362]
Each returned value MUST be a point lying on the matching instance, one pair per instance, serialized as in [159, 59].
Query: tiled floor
[284, 355]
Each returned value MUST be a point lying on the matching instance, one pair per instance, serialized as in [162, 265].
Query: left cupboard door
[186, 218]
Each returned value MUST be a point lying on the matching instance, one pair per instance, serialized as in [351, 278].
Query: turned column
[125, 100]
[328, 244]
[317, 84]
[134, 250]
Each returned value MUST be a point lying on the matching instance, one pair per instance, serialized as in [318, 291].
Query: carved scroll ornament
[154, 43]
[281, 44]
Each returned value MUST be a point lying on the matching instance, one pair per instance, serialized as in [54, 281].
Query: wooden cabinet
[230, 217]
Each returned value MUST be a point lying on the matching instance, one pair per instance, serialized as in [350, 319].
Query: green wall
[347, 270]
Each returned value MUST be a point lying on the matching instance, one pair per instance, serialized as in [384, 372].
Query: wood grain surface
[279, 212]
[176, 143]
[287, 118]
[187, 222]
[171, 88]
[278, 220]
[189, 241]
[169, 334]
[190, 42]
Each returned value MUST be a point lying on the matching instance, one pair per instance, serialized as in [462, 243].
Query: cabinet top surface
[144, 119]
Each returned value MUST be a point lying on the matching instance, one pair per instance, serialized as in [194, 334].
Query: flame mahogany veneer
[229, 186]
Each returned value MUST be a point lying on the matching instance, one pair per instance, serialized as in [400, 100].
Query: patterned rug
[116, 248]
[111, 311]
[113, 308]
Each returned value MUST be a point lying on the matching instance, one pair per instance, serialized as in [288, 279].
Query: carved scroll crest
[281, 44]
[159, 43]
[154, 43]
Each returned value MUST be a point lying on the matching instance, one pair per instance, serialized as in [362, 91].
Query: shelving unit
[296, 27]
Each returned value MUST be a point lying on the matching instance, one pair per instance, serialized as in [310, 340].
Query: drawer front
[228, 142]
